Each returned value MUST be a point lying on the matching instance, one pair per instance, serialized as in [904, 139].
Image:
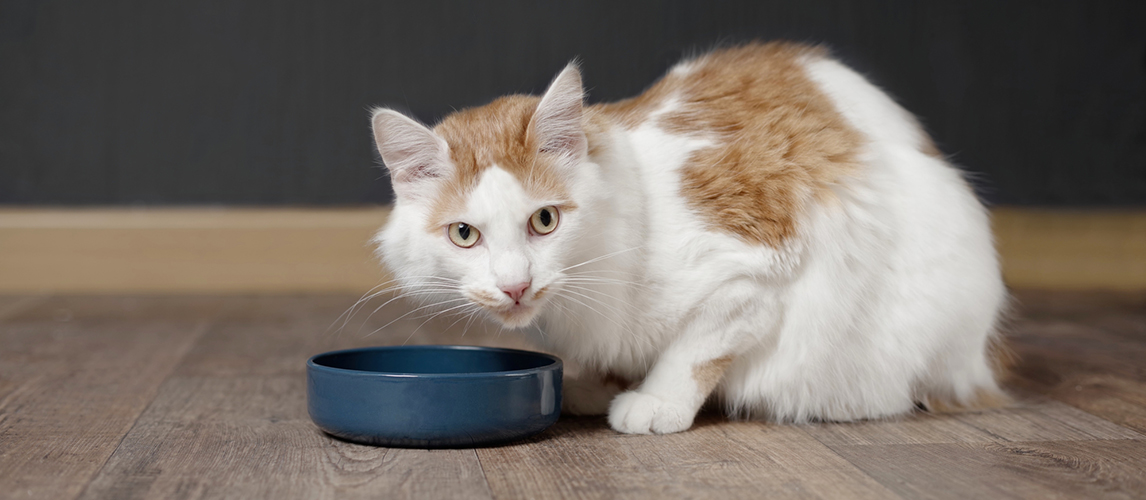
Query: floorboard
[1045, 469]
[10, 305]
[1086, 350]
[232, 422]
[204, 397]
[583, 458]
[72, 386]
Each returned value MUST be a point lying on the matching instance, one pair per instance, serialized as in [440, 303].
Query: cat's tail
[1001, 359]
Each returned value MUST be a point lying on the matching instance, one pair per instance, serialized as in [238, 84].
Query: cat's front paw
[635, 412]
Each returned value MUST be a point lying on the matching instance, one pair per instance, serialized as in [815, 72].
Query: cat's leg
[674, 390]
[588, 394]
[688, 370]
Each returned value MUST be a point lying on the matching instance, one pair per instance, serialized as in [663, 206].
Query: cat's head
[489, 201]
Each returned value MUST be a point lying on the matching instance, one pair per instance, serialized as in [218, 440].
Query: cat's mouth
[514, 315]
[517, 315]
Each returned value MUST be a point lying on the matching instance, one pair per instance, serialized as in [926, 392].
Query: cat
[762, 228]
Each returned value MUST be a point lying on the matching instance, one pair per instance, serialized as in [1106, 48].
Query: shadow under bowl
[433, 396]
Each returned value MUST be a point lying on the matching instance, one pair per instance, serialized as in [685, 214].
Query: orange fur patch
[494, 134]
[484, 298]
[782, 142]
[707, 375]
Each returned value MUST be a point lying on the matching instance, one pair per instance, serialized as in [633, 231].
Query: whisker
[581, 291]
[423, 292]
[431, 318]
[360, 300]
[627, 329]
[602, 281]
[603, 315]
[569, 314]
[412, 311]
[603, 270]
[405, 293]
[610, 306]
[460, 318]
[371, 294]
[600, 258]
[472, 316]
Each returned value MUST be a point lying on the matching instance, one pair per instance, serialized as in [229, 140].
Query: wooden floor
[204, 397]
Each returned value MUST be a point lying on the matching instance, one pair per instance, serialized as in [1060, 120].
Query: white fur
[883, 298]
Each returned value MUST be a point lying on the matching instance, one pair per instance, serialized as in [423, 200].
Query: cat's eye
[464, 235]
[544, 221]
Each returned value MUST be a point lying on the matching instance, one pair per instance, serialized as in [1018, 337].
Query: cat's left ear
[416, 157]
[556, 124]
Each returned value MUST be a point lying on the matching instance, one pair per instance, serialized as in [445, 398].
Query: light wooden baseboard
[1072, 249]
[188, 250]
[240, 250]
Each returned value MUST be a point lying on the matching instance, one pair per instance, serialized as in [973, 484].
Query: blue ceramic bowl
[433, 396]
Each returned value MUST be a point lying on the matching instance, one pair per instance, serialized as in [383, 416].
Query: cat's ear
[414, 154]
[556, 124]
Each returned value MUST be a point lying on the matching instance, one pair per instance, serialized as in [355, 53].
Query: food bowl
[433, 396]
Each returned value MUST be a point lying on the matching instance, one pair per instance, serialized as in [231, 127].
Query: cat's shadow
[569, 428]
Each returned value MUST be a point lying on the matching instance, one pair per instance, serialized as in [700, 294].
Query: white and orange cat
[762, 226]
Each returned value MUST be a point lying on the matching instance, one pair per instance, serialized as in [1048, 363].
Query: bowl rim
[555, 363]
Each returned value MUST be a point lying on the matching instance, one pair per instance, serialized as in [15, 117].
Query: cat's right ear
[415, 155]
[556, 124]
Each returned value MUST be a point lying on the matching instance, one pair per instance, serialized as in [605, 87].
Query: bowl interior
[429, 360]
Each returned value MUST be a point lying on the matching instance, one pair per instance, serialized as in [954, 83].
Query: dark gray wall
[264, 101]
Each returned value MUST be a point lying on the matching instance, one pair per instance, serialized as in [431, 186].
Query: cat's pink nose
[516, 291]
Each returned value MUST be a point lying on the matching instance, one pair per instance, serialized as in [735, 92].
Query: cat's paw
[585, 398]
[635, 412]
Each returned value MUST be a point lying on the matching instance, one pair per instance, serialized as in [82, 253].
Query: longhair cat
[762, 227]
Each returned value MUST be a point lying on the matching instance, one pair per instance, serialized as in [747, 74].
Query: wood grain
[583, 458]
[203, 397]
[232, 421]
[71, 387]
[920, 428]
[249, 436]
[1077, 469]
[1086, 351]
[1039, 419]
[1030, 418]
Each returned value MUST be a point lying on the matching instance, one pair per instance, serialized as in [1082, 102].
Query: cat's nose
[516, 291]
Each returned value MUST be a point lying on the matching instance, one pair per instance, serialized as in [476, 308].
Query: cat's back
[890, 287]
[776, 139]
